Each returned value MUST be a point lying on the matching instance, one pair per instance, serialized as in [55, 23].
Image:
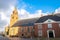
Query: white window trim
[40, 26]
[49, 25]
[39, 32]
[59, 25]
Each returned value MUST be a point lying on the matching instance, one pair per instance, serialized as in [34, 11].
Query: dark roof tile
[26, 22]
[44, 18]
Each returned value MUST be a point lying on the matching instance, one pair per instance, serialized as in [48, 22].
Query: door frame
[52, 31]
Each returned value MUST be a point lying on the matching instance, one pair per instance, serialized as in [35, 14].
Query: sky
[44, 5]
[26, 9]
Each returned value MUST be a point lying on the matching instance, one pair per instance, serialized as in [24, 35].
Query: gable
[45, 18]
[49, 21]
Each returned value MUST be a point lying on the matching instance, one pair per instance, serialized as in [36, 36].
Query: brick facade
[55, 27]
[25, 31]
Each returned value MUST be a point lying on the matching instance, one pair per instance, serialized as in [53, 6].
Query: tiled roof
[26, 22]
[30, 22]
[44, 18]
[57, 14]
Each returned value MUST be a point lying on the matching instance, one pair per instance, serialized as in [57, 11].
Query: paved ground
[18, 38]
[22, 38]
[34, 38]
[3, 38]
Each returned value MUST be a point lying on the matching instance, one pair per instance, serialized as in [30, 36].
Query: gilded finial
[15, 8]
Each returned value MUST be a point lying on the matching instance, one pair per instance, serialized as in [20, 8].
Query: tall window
[49, 25]
[59, 24]
[22, 29]
[40, 26]
[40, 33]
[33, 29]
[28, 29]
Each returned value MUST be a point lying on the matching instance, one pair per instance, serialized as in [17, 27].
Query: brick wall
[55, 27]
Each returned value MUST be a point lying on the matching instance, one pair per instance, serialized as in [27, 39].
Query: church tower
[14, 17]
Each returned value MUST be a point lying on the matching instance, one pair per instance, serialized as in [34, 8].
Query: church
[47, 26]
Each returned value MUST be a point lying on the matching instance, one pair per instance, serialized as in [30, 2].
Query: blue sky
[26, 9]
[44, 5]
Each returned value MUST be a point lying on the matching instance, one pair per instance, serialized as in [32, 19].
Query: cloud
[22, 4]
[6, 7]
[6, 4]
[57, 10]
[4, 20]
[23, 14]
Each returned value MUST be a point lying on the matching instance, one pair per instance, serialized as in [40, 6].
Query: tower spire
[14, 17]
[15, 9]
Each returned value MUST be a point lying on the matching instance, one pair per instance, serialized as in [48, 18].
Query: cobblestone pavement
[3, 38]
[14, 38]
[18, 38]
[22, 39]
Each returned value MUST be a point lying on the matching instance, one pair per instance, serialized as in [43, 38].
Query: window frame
[39, 32]
[39, 26]
[28, 29]
[59, 25]
[49, 25]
